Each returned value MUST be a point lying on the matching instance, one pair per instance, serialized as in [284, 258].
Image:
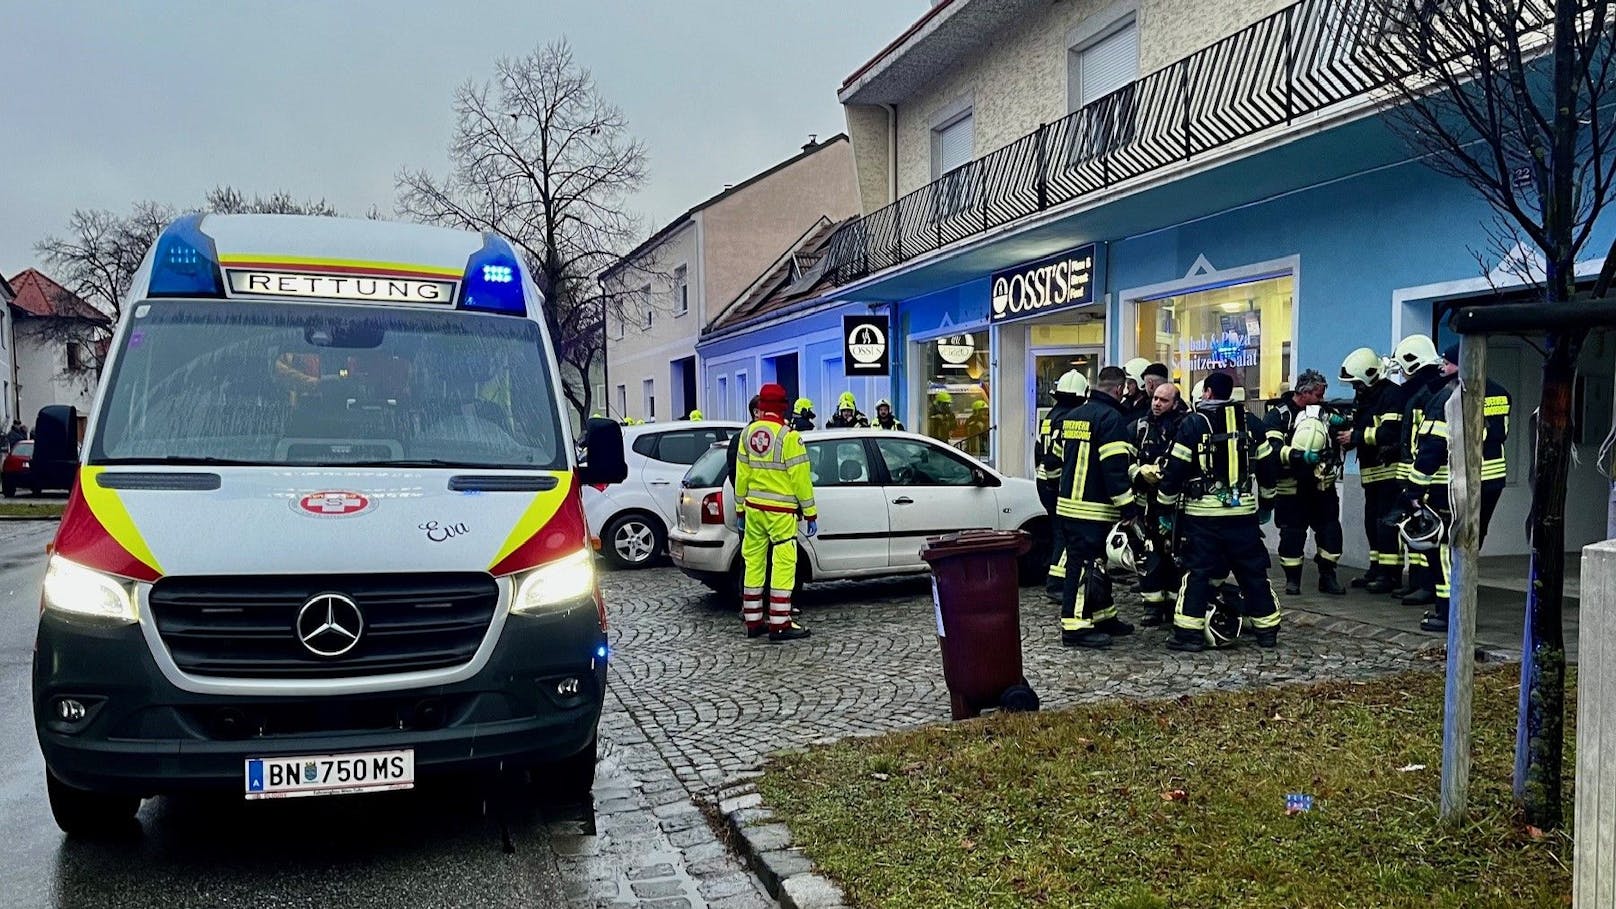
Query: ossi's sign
[1058, 282]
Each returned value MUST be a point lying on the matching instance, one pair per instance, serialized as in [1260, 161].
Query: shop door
[1046, 366]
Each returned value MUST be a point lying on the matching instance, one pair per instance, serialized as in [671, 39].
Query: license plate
[329, 774]
[676, 549]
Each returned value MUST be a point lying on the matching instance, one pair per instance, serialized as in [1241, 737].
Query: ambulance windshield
[329, 385]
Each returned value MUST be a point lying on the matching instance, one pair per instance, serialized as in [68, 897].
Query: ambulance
[326, 535]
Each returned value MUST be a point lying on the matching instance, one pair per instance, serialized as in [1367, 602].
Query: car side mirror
[602, 460]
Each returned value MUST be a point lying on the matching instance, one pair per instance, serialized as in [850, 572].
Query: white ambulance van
[327, 535]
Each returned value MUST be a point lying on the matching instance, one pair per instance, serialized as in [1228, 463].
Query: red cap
[772, 398]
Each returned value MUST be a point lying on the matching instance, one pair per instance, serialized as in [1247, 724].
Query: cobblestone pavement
[714, 704]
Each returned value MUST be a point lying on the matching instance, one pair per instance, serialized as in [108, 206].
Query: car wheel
[570, 779]
[90, 814]
[1033, 567]
[633, 540]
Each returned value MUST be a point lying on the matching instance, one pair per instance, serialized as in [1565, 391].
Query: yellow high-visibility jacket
[772, 472]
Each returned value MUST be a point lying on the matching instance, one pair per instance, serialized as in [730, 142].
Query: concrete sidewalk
[1500, 612]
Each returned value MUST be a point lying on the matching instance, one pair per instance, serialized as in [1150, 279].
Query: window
[724, 410]
[645, 307]
[840, 463]
[681, 292]
[1243, 330]
[620, 407]
[951, 145]
[957, 402]
[75, 356]
[920, 464]
[615, 322]
[648, 398]
[686, 446]
[1104, 65]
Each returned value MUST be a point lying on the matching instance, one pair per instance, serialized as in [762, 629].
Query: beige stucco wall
[1023, 82]
[744, 233]
[872, 154]
[642, 353]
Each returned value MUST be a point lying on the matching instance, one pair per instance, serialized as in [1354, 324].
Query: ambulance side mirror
[602, 460]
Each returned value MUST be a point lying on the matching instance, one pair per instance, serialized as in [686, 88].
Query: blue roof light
[492, 280]
[186, 263]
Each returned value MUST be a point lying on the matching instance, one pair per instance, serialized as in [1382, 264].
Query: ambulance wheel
[89, 814]
[572, 778]
[633, 540]
[1019, 699]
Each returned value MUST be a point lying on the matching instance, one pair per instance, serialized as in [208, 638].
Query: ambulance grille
[246, 627]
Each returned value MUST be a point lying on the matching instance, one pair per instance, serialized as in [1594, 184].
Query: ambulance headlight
[566, 580]
[72, 589]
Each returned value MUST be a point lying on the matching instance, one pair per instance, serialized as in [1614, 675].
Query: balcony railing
[1294, 62]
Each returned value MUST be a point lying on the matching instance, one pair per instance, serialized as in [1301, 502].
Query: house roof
[797, 275]
[689, 213]
[38, 295]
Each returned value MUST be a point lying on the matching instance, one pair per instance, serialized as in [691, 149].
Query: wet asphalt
[443, 844]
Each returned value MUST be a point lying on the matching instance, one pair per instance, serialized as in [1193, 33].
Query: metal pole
[1467, 427]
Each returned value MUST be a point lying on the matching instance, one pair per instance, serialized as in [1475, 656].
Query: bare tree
[98, 255]
[542, 159]
[1512, 97]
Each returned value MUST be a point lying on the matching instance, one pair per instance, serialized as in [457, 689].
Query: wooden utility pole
[1467, 428]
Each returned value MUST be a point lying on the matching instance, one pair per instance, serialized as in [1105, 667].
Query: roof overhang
[949, 32]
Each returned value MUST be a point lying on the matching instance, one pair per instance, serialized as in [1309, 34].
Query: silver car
[880, 495]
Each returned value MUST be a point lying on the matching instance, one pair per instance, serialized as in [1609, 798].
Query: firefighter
[1416, 356]
[1427, 482]
[1048, 458]
[1154, 435]
[884, 418]
[1219, 449]
[847, 415]
[1373, 435]
[773, 488]
[977, 427]
[1095, 494]
[802, 415]
[1307, 496]
[1134, 400]
[940, 421]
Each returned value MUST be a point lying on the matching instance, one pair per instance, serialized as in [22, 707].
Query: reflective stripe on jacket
[772, 471]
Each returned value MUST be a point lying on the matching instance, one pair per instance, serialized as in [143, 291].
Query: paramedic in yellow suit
[773, 486]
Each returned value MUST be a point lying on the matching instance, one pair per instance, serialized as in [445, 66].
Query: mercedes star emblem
[329, 625]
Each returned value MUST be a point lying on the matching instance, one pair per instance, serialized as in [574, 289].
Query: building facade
[58, 342]
[1078, 183]
[672, 286]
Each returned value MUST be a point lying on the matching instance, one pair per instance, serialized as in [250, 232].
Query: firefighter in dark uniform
[1428, 481]
[1416, 356]
[1306, 494]
[1095, 493]
[1048, 458]
[1154, 435]
[1373, 435]
[1219, 448]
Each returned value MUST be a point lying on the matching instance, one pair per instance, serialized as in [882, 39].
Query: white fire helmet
[1135, 369]
[1072, 383]
[1421, 530]
[1362, 367]
[1415, 351]
[1310, 434]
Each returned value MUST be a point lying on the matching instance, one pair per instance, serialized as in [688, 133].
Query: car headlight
[565, 580]
[73, 589]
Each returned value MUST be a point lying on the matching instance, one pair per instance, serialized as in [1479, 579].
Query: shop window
[1243, 329]
[957, 392]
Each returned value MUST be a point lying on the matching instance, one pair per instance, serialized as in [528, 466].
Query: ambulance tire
[570, 779]
[90, 814]
[1033, 567]
[633, 539]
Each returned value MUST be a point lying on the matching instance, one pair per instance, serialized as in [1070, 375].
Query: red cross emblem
[760, 441]
[333, 504]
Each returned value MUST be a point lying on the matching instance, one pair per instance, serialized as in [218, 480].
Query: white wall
[642, 354]
[42, 376]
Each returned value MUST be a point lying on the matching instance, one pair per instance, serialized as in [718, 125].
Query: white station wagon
[880, 495]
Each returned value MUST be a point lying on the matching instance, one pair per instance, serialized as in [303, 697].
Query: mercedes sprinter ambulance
[326, 535]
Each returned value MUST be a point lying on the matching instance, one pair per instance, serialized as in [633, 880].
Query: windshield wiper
[182, 460]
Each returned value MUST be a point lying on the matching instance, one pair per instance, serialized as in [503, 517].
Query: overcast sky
[104, 104]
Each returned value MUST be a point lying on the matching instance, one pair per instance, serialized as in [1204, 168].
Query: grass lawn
[32, 509]
[1180, 804]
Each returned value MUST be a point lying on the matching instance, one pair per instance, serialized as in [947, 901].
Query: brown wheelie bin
[976, 591]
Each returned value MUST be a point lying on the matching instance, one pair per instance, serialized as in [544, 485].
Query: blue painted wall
[816, 340]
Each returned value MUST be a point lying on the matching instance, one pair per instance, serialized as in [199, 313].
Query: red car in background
[16, 471]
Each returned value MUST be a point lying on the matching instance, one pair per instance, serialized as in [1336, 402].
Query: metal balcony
[1299, 60]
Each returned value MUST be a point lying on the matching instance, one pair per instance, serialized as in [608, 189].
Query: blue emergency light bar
[493, 280]
[186, 263]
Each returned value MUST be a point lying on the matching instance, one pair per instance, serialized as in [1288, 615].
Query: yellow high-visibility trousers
[769, 550]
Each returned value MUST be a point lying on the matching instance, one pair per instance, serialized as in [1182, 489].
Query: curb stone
[765, 845]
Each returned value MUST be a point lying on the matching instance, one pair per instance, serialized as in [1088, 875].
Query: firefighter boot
[1267, 638]
[791, 632]
[1293, 579]
[1424, 597]
[1186, 641]
[1114, 627]
[1328, 583]
[1156, 615]
[1088, 637]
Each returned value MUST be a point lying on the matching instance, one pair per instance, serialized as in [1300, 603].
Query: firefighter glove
[1164, 524]
[1310, 458]
[1150, 473]
[813, 527]
[740, 522]
[1337, 421]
